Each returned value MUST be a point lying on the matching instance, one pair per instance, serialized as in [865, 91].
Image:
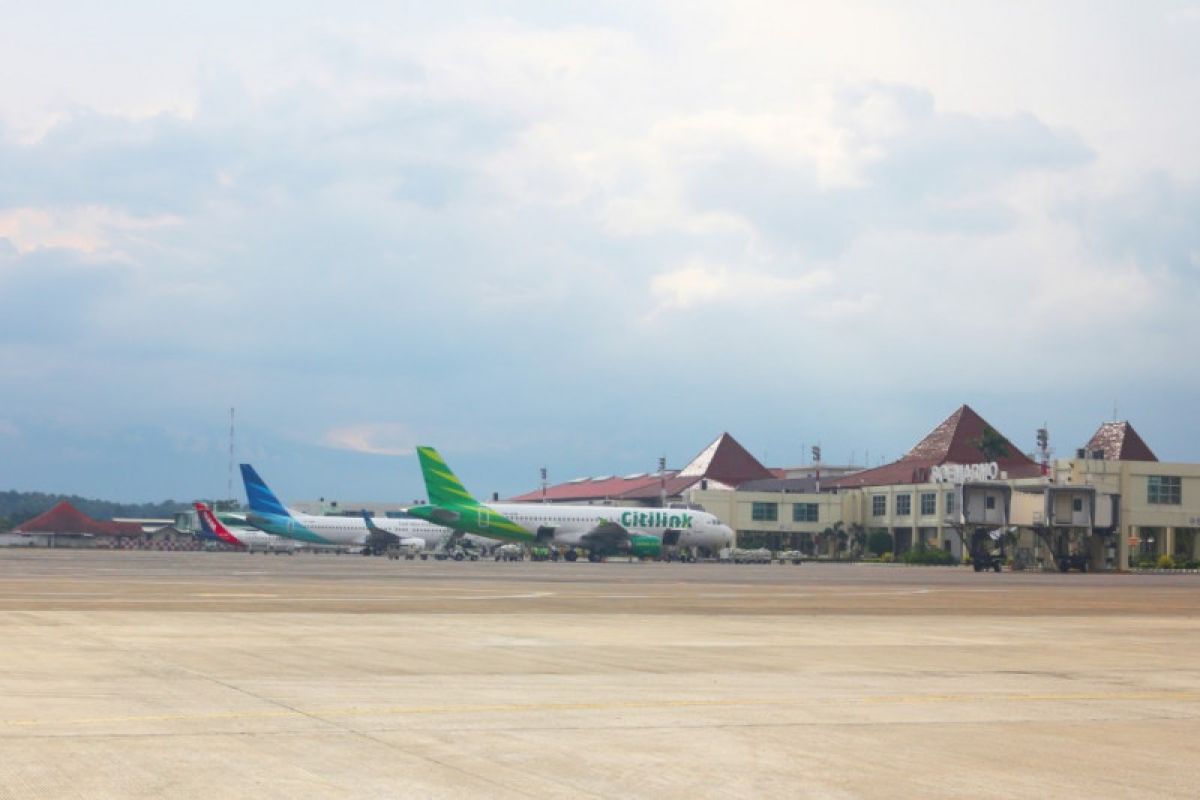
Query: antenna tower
[229, 486]
[1043, 443]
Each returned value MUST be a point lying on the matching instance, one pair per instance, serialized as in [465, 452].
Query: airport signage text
[961, 473]
[655, 519]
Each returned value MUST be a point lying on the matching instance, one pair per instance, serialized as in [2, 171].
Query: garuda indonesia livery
[212, 529]
[270, 515]
[597, 529]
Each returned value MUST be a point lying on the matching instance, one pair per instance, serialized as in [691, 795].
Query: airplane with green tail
[599, 530]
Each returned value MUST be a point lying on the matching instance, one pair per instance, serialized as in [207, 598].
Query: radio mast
[229, 486]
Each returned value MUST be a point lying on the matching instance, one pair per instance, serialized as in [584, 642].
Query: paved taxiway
[189, 675]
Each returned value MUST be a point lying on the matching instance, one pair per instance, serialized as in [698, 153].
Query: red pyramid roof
[66, 518]
[951, 442]
[725, 460]
[592, 488]
[674, 487]
[1119, 442]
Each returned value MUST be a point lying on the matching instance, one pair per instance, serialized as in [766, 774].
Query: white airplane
[270, 515]
[212, 529]
[598, 529]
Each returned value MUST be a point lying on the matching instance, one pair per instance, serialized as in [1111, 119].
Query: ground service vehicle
[983, 560]
[1071, 561]
[741, 555]
[405, 551]
[542, 553]
[509, 552]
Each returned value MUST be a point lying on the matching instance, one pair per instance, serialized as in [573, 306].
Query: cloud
[914, 168]
[89, 229]
[383, 439]
[50, 296]
[366, 215]
[701, 284]
[1154, 223]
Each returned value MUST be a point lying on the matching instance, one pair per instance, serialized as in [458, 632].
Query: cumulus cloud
[50, 296]
[378, 216]
[702, 284]
[915, 169]
[89, 229]
[382, 439]
[1154, 223]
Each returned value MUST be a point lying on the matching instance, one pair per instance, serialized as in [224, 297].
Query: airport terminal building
[1112, 505]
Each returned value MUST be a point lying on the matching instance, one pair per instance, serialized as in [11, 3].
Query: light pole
[662, 481]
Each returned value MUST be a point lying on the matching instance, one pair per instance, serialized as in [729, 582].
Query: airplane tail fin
[202, 517]
[261, 498]
[212, 526]
[442, 485]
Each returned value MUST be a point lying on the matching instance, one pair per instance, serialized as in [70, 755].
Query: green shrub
[887, 558]
[1165, 562]
[879, 542]
[929, 555]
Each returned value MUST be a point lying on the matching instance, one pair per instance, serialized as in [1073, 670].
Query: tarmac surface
[201, 675]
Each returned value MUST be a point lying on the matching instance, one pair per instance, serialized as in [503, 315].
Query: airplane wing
[604, 536]
[377, 536]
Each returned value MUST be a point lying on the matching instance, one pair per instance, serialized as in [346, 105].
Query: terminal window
[1164, 490]
[764, 512]
[805, 512]
[879, 505]
[928, 503]
[903, 505]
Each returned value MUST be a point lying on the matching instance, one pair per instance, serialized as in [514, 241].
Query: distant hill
[17, 507]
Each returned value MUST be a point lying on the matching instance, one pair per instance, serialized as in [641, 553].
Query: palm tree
[839, 535]
[858, 538]
[825, 537]
[991, 445]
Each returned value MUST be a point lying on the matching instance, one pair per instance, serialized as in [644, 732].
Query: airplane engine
[645, 546]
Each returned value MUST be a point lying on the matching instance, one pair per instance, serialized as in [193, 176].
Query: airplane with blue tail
[268, 514]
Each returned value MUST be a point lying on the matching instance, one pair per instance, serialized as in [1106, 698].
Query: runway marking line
[1177, 696]
[1049, 697]
[211, 597]
[389, 711]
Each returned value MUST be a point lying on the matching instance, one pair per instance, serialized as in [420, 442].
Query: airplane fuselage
[570, 525]
[260, 540]
[345, 531]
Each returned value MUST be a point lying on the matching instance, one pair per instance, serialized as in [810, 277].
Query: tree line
[17, 507]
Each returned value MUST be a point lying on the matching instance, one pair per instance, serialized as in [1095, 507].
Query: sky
[584, 235]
